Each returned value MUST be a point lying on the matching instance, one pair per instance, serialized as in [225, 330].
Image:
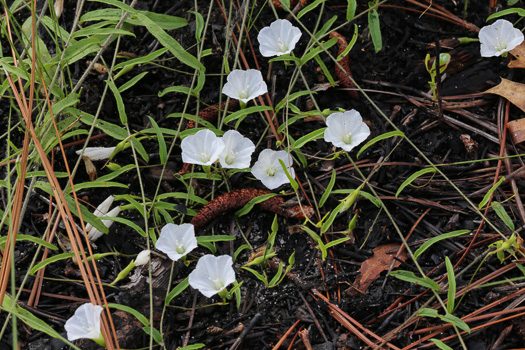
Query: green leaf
[140, 60]
[294, 183]
[132, 311]
[88, 32]
[409, 276]
[451, 295]
[325, 28]
[274, 281]
[131, 224]
[113, 130]
[216, 238]
[325, 70]
[31, 320]
[96, 184]
[309, 8]
[240, 250]
[426, 312]
[163, 152]
[367, 195]
[285, 58]
[120, 103]
[318, 240]
[413, 177]
[130, 83]
[291, 98]
[77, 51]
[440, 344]
[115, 173]
[350, 44]
[455, 321]
[316, 51]
[336, 242]
[182, 89]
[433, 240]
[156, 334]
[350, 10]
[64, 256]
[333, 214]
[199, 20]
[487, 196]
[328, 190]
[182, 195]
[22, 237]
[380, 138]
[500, 211]
[519, 11]
[248, 207]
[179, 288]
[375, 29]
[192, 347]
[314, 135]
[170, 43]
[246, 111]
[256, 274]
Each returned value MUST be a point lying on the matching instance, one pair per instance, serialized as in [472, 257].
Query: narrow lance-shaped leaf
[413, 177]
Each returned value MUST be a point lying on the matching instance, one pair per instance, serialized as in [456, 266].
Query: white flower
[212, 274]
[237, 152]
[97, 153]
[244, 85]
[278, 39]
[85, 323]
[268, 169]
[202, 148]
[102, 210]
[498, 38]
[142, 258]
[177, 240]
[346, 130]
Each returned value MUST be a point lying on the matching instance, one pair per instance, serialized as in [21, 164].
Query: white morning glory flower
[278, 39]
[269, 171]
[96, 153]
[177, 240]
[142, 258]
[244, 85]
[102, 210]
[212, 274]
[498, 38]
[85, 323]
[237, 153]
[346, 130]
[203, 148]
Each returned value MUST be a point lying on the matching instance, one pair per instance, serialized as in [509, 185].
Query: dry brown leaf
[517, 130]
[379, 262]
[514, 92]
[519, 54]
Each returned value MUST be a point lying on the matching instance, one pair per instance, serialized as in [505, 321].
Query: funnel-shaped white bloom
[237, 152]
[142, 258]
[177, 240]
[97, 153]
[85, 323]
[203, 148]
[269, 171]
[244, 85]
[346, 130]
[102, 210]
[498, 38]
[212, 274]
[278, 39]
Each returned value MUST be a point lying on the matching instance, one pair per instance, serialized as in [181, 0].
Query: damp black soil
[463, 135]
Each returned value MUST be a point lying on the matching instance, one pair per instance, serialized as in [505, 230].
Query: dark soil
[395, 79]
